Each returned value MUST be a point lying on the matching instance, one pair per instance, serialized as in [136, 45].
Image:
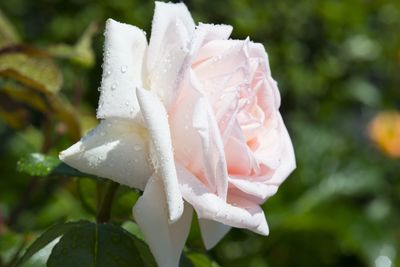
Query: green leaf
[200, 260]
[8, 34]
[185, 262]
[24, 95]
[48, 236]
[31, 67]
[80, 53]
[134, 229]
[14, 95]
[37, 164]
[100, 245]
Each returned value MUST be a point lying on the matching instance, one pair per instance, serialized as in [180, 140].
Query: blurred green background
[337, 64]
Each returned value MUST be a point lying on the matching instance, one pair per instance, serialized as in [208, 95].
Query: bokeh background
[337, 64]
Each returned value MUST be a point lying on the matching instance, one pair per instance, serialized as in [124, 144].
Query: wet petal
[156, 120]
[124, 49]
[115, 149]
[165, 240]
[206, 33]
[172, 30]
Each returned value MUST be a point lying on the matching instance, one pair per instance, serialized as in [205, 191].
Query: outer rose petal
[172, 29]
[115, 149]
[124, 49]
[212, 232]
[206, 33]
[156, 120]
[165, 240]
[288, 160]
[240, 213]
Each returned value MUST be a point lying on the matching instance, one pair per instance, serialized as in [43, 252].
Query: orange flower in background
[384, 130]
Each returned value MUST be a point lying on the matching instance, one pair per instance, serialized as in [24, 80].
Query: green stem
[104, 212]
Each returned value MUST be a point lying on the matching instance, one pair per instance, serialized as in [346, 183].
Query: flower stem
[104, 212]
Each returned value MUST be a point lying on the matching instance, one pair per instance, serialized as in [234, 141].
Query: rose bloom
[192, 118]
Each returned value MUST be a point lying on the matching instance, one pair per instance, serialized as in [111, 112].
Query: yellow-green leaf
[26, 96]
[8, 35]
[17, 96]
[31, 67]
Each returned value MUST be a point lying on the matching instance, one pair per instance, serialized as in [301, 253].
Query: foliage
[337, 65]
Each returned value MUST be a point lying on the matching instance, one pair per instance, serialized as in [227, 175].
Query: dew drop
[124, 68]
[113, 86]
[107, 73]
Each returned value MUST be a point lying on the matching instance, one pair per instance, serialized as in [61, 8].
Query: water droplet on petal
[108, 73]
[124, 68]
[113, 86]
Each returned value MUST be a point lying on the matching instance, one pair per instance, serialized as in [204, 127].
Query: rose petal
[115, 149]
[240, 213]
[171, 33]
[212, 146]
[206, 33]
[231, 55]
[196, 138]
[165, 240]
[212, 232]
[124, 49]
[257, 50]
[261, 191]
[287, 160]
[156, 120]
[240, 158]
[270, 150]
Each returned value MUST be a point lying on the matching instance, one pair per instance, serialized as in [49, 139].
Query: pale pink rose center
[233, 79]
